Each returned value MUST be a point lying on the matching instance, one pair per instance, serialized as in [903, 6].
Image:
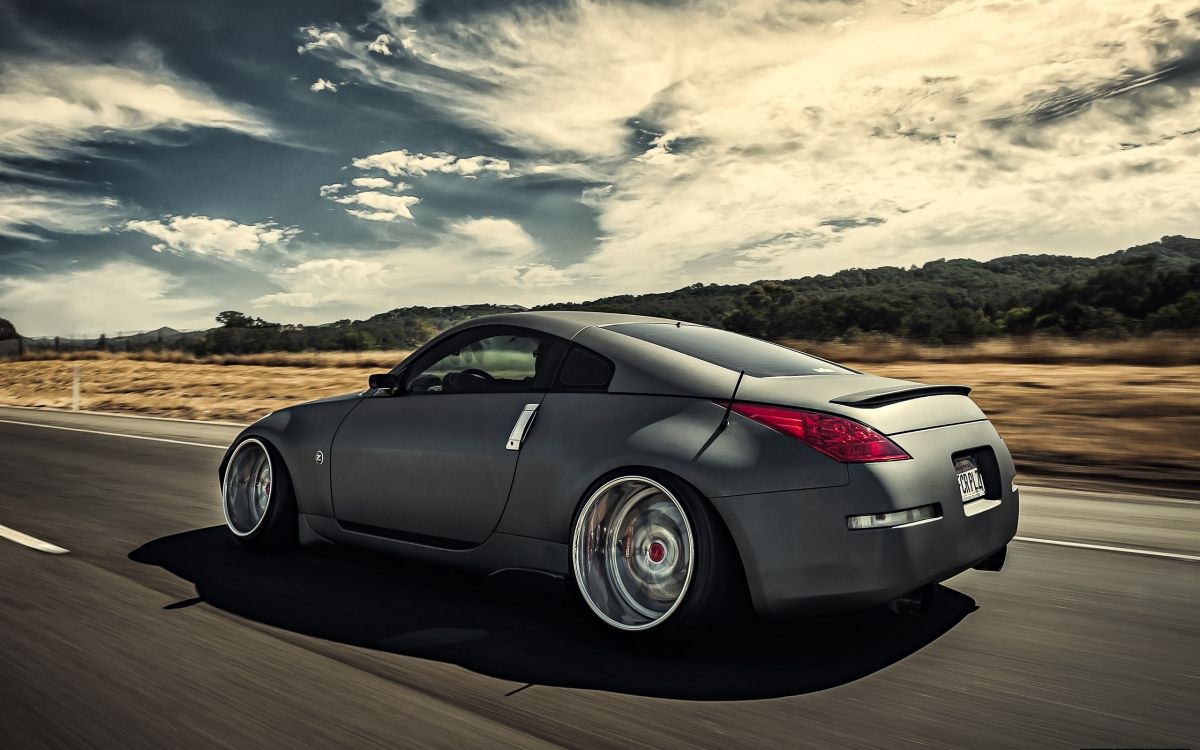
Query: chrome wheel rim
[246, 491]
[633, 553]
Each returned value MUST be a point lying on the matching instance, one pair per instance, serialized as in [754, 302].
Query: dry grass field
[239, 393]
[1082, 418]
[1133, 424]
[1158, 349]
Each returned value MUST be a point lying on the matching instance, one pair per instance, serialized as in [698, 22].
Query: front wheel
[647, 552]
[256, 496]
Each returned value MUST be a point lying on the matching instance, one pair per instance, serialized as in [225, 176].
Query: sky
[311, 160]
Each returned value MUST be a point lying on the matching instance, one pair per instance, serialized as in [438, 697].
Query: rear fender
[579, 437]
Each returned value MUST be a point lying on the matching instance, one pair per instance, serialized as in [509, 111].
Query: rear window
[758, 358]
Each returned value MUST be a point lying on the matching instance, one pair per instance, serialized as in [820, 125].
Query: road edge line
[124, 415]
[1109, 548]
[114, 434]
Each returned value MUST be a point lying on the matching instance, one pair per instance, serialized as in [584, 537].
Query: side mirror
[385, 380]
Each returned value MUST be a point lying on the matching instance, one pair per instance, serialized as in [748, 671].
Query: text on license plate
[970, 480]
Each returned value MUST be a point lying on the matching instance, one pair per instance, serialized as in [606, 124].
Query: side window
[583, 369]
[497, 363]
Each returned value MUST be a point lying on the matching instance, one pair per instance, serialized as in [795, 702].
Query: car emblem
[320, 457]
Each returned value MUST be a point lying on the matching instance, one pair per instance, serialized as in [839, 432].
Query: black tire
[716, 594]
[278, 526]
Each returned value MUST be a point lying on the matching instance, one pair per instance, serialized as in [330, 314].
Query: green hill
[401, 328]
[1131, 291]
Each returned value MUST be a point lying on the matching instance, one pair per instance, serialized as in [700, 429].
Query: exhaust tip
[916, 602]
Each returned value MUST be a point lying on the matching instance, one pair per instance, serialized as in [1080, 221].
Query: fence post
[75, 391]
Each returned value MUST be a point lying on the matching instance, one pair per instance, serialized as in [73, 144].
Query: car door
[434, 462]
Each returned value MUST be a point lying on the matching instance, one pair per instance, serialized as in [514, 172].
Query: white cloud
[217, 238]
[784, 138]
[49, 109]
[25, 210]
[382, 207]
[322, 84]
[535, 276]
[398, 9]
[473, 165]
[55, 110]
[289, 299]
[377, 206]
[380, 45]
[316, 38]
[318, 282]
[401, 163]
[328, 190]
[570, 170]
[492, 236]
[117, 296]
[377, 183]
[473, 260]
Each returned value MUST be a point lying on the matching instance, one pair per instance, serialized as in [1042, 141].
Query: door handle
[521, 427]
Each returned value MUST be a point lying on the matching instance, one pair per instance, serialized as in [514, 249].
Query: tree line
[1132, 298]
[1131, 292]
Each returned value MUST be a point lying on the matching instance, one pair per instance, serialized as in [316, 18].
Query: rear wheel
[256, 495]
[647, 553]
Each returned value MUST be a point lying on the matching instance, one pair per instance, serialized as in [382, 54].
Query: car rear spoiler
[897, 393]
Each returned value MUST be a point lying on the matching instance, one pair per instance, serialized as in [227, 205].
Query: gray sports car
[666, 470]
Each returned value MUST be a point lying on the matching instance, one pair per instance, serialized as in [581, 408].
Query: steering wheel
[477, 373]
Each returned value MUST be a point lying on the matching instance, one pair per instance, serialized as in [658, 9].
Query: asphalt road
[157, 630]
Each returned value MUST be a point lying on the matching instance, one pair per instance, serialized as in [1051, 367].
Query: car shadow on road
[525, 628]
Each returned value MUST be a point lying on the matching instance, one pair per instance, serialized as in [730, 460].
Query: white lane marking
[32, 542]
[1107, 548]
[114, 434]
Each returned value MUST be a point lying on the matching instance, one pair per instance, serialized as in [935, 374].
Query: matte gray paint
[499, 552]
[647, 368]
[403, 466]
[565, 325]
[430, 464]
[579, 437]
[298, 432]
[799, 555]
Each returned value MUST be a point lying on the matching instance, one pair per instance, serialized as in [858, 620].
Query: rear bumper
[800, 557]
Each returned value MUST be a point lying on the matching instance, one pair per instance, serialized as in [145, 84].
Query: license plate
[970, 481]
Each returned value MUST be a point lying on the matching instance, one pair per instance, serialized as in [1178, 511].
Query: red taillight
[837, 437]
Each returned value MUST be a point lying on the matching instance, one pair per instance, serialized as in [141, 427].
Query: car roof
[642, 365]
[563, 323]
